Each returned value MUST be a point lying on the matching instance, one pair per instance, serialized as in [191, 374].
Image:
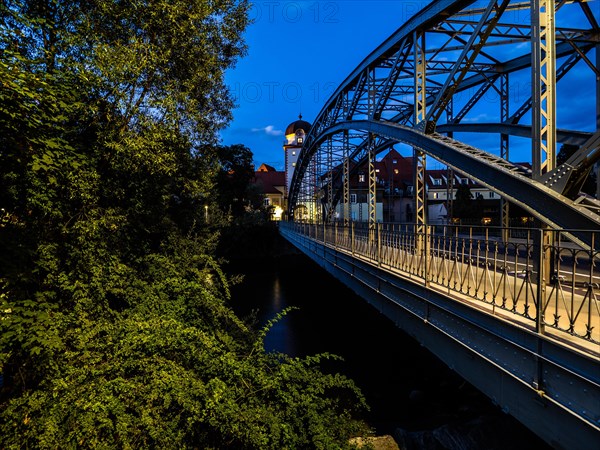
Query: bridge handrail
[497, 268]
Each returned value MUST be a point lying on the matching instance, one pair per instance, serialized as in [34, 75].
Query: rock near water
[386, 442]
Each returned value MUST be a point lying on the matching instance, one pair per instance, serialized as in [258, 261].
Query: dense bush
[114, 325]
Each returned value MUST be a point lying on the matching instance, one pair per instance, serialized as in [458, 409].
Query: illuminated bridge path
[515, 311]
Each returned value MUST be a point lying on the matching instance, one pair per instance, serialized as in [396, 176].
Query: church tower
[295, 134]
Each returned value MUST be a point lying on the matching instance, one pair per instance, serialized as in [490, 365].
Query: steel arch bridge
[429, 80]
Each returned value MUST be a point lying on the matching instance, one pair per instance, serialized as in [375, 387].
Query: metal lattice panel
[453, 53]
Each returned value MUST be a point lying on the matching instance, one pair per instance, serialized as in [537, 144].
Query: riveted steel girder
[377, 88]
[346, 179]
[543, 94]
[474, 45]
[563, 136]
[539, 200]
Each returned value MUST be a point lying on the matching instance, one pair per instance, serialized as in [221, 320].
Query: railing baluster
[449, 259]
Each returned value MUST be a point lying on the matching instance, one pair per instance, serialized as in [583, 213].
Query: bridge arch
[423, 84]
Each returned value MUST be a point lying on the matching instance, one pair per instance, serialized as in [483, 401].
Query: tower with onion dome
[295, 134]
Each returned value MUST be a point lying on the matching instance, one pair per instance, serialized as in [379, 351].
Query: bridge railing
[537, 277]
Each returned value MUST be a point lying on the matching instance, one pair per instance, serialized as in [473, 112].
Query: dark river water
[406, 386]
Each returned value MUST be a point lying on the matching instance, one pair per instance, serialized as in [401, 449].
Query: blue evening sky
[300, 51]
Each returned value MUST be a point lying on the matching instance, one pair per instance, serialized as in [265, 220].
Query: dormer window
[300, 139]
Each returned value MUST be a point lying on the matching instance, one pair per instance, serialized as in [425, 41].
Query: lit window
[361, 177]
[435, 195]
[293, 164]
[377, 170]
[300, 140]
[293, 152]
[396, 171]
[394, 161]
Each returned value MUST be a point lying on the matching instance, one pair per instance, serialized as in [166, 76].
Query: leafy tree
[173, 372]
[114, 324]
[463, 203]
[234, 179]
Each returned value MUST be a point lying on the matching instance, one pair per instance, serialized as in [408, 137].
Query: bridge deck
[472, 300]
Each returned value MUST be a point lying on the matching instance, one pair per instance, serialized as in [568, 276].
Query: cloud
[269, 130]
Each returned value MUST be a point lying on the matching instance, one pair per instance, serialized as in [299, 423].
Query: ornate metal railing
[535, 277]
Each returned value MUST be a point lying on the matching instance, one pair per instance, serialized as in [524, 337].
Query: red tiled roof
[266, 168]
[271, 182]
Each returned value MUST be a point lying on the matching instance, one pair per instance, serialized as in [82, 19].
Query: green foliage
[234, 178]
[463, 204]
[114, 325]
[158, 377]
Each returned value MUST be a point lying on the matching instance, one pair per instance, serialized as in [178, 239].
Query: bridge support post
[372, 195]
[504, 151]
[335, 235]
[330, 213]
[598, 116]
[346, 188]
[543, 119]
[352, 236]
[419, 156]
[541, 267]
[543, 95]
[378, 227]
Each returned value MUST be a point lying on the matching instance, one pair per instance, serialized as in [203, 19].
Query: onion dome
[298, 125]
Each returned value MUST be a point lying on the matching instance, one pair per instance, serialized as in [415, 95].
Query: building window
[293, 164]
[396, 171]
[293, 152]
[464, 181]
[435, 195]
[300, 140]
[352, 198]
[267, 201]
[361, 177]
[437, 181]
[492, 195]
[394, 161]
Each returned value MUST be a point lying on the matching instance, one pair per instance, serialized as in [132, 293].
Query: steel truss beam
[489, 170]
[403, 86]
[346, 180]
[543, 62]
[372, 194]
[375, 89]
[482, 30]
[563, 136]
